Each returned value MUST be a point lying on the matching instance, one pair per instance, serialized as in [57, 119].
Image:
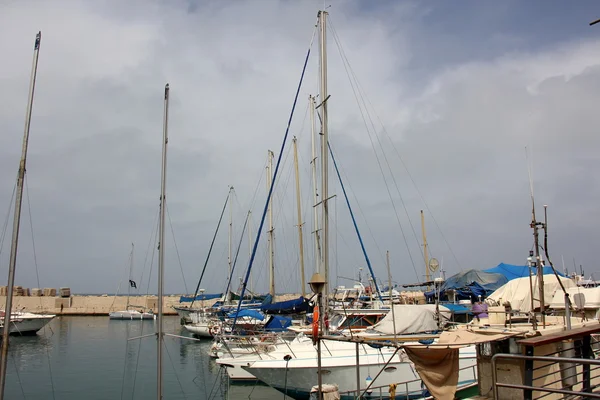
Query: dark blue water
[90, 358]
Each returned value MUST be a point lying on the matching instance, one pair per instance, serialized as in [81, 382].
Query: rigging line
[262, 221]
[175, 371]
[364, 105]
[377, 158]
[5, 225]
[210, 248]
[137, 359]
[152, 258]
[151, 241]
[19, 376]
[37, 274]
[387, 135]
[362, 245]
[176, 249]
[237, 252]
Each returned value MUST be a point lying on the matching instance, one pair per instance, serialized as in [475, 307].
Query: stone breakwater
[101, 304]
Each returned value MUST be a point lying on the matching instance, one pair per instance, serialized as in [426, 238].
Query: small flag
[38, 37]
[132, 284]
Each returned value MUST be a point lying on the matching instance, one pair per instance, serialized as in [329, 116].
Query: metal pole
[17, 218]
[425, 255]
[391, 302]
[299, 207]
[271, 247]
[161, 249]
[250, 245]
[357, 371]
[229, 277]
[324, 155]
[312, 106]
[319, 374]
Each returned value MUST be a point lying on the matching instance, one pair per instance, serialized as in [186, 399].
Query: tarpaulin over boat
[247, 313]
[278, 324]
[518, 292]
[200, 297]
[438, 369]
[471, 283]
[516, 271]
[295, 306]
[412, 318]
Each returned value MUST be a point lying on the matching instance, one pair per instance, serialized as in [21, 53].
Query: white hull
[201, 330]
[131, 315]
[27, 323]
[301, 374]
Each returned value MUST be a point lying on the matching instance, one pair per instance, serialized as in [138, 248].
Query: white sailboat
[130, 312]
[14, 321]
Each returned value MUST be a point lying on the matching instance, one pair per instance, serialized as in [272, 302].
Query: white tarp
[412, 318]
[518, 292]
[590, 297]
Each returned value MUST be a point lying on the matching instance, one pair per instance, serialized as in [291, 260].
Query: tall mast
[250, 245]
[425, 254]
[161, 248]
[324, 156]
[17, 219]
[312, 105]
[229, 277]
[536, 242]
[270, 231]
[300, 239]
[130, 276]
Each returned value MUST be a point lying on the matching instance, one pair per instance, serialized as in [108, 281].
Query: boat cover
[278, 324]
[200, 297]
[247, 313]
[471, 283]
[295, 306]
[412, 318]
[518, 292]
[516, 271]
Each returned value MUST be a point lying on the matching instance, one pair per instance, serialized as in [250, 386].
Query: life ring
[315, 324]
[214, 330]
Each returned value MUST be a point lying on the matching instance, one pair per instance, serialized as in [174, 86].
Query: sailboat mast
[324, 155]
[270, 232]
[228, 295]
[130, 276]
[300, 238]
[17, 218]
[536, 242]
[161, 248]
[425, 249]
[312, 105]
[250, 246]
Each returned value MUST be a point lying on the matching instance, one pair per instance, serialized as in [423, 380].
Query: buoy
[368, 382]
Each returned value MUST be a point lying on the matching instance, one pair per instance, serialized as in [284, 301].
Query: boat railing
[574, 381]
[402, 389]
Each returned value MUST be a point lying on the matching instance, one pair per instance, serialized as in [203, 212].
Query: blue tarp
[516, 271]
[247, 313]
[278, 324]
[200, 297]
[471, 283]
[457, 309]
[295, 306]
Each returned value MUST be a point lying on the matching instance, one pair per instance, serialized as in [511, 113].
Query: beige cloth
[438, 368]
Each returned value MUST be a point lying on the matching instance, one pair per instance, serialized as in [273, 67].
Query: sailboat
[130, 313]
[10, 318]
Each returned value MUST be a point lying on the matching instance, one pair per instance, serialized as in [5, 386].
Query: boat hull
[23, 324]
[131, 315]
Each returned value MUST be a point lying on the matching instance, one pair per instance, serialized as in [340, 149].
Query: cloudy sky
[454, 92]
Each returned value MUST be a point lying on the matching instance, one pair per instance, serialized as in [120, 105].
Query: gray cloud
[459, 113]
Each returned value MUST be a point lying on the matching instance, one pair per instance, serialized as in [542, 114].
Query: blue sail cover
[471, 283]
[296, 306]
[278, 324]
[200, 297]
[516, 271]
[247, 313]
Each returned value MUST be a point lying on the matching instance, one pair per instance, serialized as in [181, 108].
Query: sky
[433, 105]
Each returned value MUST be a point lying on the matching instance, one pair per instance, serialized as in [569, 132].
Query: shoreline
[102, 305]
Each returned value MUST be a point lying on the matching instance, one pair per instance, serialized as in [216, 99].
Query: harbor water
[91, 358]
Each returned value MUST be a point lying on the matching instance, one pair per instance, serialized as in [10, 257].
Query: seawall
[101, 304]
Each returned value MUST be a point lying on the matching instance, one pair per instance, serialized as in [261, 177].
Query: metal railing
[402, 388]
[585, 381]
